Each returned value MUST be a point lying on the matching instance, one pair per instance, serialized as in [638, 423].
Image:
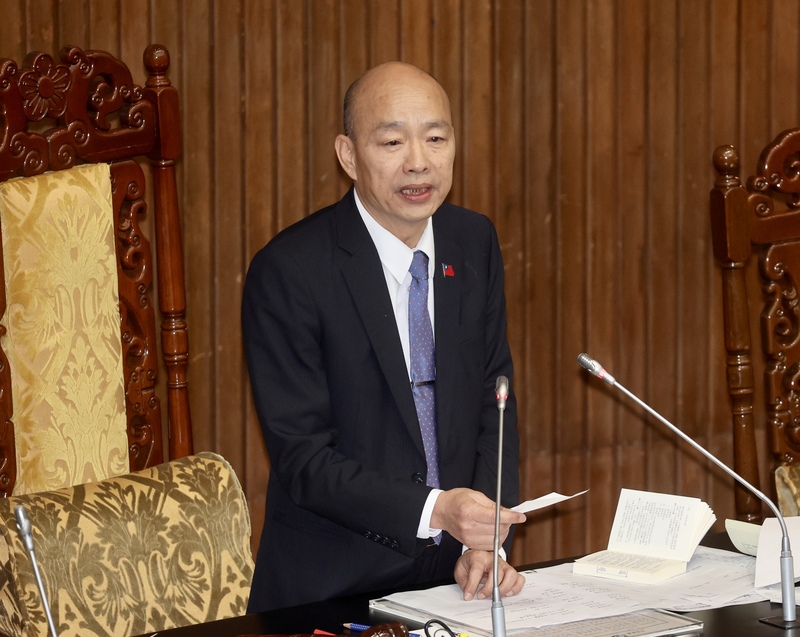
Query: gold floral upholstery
[163, 547]
[787, 485]
[63, 338]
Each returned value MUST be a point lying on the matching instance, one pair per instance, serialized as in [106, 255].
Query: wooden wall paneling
[259, 214]
[104, 17]
[228, 221]
[12, 29]
[584, 130]
[134, 37]
[693, 243]
[660, 347]
[785, 59]
[507, 182]
[192, 70]
[292, 114]
[755, 73]
[477, 108]
[353, 54]
[417, 32]
[171, 24]
[571, 248]
[632, 364]
[382, 32]
[724, 114]
[535, 362]
[73, 20]
[447, 67]
[601, 272]
[40, 27]
[325, 104]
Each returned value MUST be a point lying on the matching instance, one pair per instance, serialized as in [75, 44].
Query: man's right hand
[468, 516]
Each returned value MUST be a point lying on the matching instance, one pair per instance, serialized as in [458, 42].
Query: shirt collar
[395, 255]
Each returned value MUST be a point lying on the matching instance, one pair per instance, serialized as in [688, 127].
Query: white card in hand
[545, 501]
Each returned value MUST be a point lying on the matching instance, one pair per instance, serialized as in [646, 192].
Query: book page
[658, 524]
[621, 563]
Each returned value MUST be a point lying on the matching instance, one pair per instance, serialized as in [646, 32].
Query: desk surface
[730, 621]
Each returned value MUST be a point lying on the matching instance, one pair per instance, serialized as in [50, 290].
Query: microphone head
[24, 526]
[501, 391]
[23, 523]
[595, 368]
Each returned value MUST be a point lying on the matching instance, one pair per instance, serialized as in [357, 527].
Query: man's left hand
[475, 568]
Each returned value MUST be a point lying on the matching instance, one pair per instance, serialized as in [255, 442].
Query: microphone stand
[789, 618]
[24, 527]
[498, 612]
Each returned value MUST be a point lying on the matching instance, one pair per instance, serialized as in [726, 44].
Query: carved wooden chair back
[761, 216]
[75, 135]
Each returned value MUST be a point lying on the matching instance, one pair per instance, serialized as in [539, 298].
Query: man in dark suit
[353, 505]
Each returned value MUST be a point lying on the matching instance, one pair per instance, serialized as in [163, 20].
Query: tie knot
[419, 265]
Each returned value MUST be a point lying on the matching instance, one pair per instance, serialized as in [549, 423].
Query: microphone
[24, 527]
[788, 620]
[498, 612]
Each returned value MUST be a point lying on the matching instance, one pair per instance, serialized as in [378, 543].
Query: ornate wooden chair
[57, 117]
[762, 215]
[81, 438]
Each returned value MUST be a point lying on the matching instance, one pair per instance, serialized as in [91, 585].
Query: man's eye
[436, 139]
[392, 142]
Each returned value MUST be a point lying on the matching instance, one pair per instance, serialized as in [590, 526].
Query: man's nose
[416, 157]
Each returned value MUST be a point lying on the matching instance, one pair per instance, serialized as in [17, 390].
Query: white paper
[545, 501]
[659, 524]
[744, 535]
[554, 595]
[768, 560]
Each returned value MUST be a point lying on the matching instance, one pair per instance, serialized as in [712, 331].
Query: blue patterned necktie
[423, 367]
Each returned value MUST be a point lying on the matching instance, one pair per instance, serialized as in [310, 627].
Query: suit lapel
[447, 308]
[363, 273]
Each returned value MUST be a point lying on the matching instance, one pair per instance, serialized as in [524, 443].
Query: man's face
[402, 157]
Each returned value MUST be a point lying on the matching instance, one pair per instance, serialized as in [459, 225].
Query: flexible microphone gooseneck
[24, 527]
[498, 612]
[788, 620]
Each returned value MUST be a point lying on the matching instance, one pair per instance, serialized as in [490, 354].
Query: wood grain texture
[584, 130]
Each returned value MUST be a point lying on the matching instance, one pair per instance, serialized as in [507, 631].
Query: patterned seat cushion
[164, 547]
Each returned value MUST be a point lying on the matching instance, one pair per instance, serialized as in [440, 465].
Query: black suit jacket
[331, 388]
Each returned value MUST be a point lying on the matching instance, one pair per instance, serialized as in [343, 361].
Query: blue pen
[360, 628]
[357, 627]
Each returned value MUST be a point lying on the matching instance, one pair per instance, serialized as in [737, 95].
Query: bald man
[358, 499]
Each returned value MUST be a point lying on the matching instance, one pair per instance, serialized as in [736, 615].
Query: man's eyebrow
[395, 125]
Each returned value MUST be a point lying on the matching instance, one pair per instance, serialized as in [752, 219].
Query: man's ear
[346, 152]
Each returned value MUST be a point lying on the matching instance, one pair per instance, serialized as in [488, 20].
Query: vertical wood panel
[601, 226]
[197, 186]
[535, 362]
[325, 104]
[291, 117]
[693, 243]
[584, 130]
[260, 215]
[660, 346]
[633, 220]
[228, 219]
[571, 263]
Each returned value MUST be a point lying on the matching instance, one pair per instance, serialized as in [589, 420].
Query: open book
[653, 537]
